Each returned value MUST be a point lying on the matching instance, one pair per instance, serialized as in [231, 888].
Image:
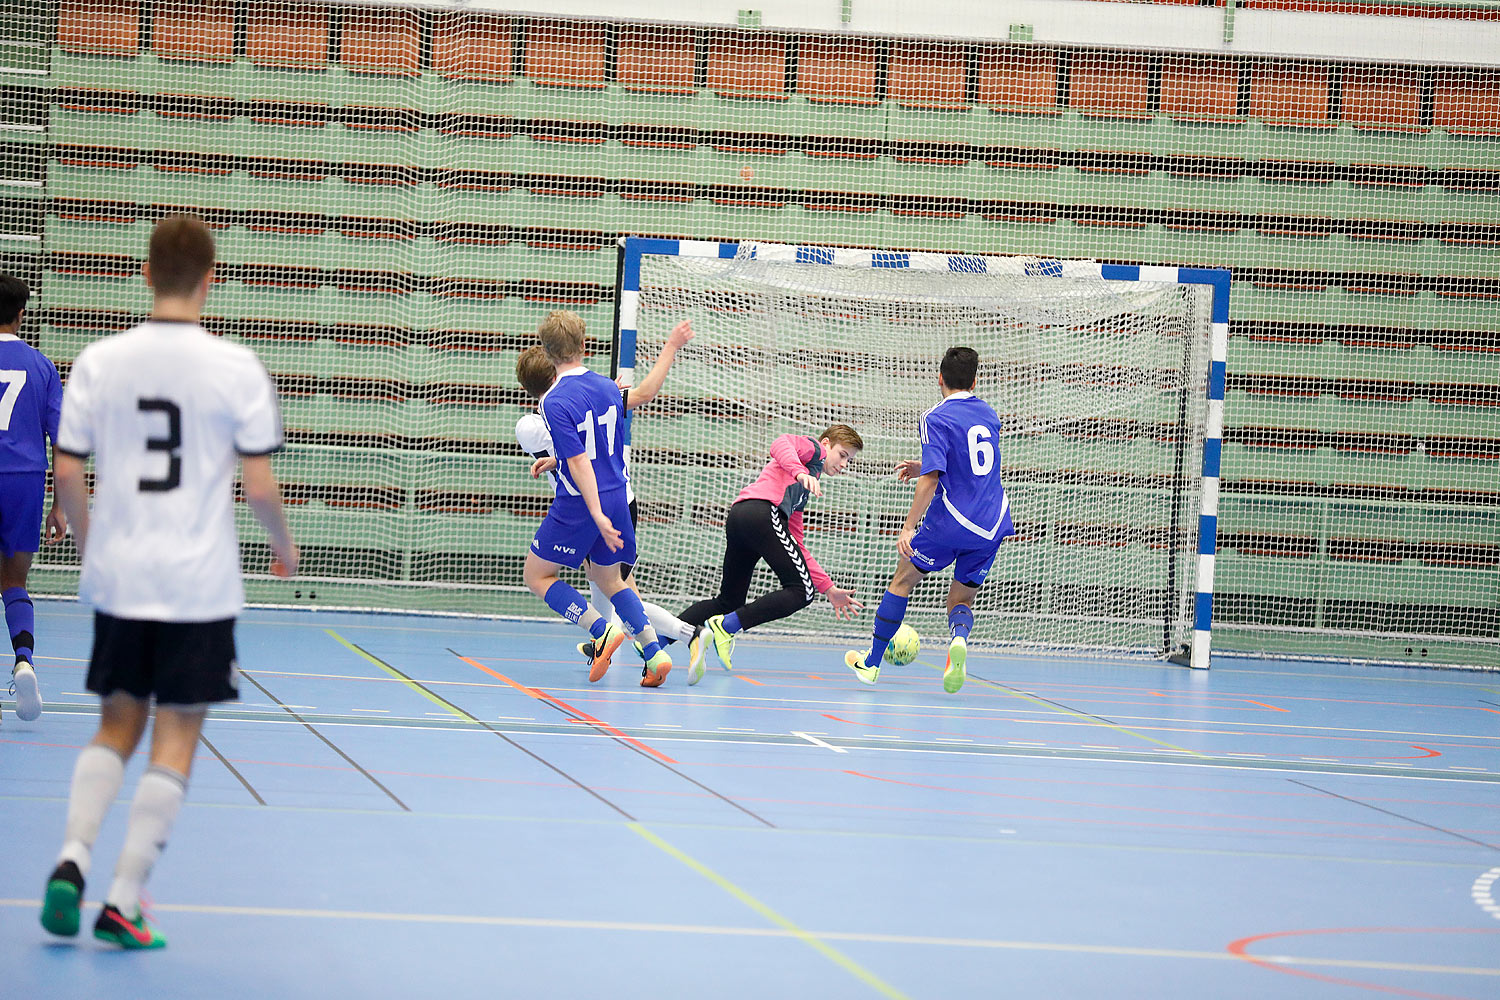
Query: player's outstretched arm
[72, 493]
[651, 385]
[263, 494]
[582, 472]
[926, 489]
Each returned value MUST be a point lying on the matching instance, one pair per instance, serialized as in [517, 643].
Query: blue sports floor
[426, 807]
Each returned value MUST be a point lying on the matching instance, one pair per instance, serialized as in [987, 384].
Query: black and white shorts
[179, 663]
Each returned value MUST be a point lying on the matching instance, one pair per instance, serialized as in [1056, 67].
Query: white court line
[774, 932]
[817, 742]
[1483, 892]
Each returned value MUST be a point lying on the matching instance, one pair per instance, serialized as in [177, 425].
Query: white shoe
[28, 697]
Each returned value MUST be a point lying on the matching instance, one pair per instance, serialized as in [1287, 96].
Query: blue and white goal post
[634, 250]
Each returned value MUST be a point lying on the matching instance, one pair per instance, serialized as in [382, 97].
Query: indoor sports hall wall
[400, 194]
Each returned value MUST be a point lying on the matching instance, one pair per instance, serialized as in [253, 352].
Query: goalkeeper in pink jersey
[765, 522]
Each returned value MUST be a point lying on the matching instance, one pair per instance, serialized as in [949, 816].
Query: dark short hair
[14, 294]
[535, 373]
[181, 253]
[960, 366]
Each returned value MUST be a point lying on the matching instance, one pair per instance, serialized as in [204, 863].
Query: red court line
[750, 680]
[1239, 949]
[577, 713]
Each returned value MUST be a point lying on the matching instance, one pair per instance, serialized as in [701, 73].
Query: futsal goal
[1109, 381]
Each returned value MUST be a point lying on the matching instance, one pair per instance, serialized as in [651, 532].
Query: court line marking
[863, 937]
[817, 742]
[567, 709]
[580, 716]
[327, 742]
[460, 713]
[1483, 892]
[1280, 963]
[813, 941]
[1397, 815]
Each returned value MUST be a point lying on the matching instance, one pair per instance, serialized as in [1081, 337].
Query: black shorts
[180, 663]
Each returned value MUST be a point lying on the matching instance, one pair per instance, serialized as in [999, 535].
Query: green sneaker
[954, 674]
[855, 661]
[60, 904]
[603, 650]
[640, 652]
[657, 670]
[695, 658]
[132, 935]
[723, 641]
[587, 649]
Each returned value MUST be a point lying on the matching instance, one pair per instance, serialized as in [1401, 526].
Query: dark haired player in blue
[960, 470]
[590, 518]
[30, 404]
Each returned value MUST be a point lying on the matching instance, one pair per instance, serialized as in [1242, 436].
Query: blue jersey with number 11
[584, 416]
[961, 441]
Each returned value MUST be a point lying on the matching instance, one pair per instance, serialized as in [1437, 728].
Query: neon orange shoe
[604, 648]
[657, 670]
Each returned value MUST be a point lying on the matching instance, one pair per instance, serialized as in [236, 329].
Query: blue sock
[887, 620]
[20, 615]
[732, 622]
[562, 598]
[633, 614]
[960, 620]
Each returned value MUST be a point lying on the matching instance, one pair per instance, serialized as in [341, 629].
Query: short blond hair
[534, 371]
[845, 435]
[562, 335]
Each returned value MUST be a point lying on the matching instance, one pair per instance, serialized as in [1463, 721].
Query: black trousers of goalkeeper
[756, 530]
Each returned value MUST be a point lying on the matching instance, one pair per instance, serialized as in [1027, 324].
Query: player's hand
[612, 538]
[844, 604]
[542, 466]
[903, 542]
[57, 525]
[911, 468]
[810, 481]
[681, 334]
[284, 564]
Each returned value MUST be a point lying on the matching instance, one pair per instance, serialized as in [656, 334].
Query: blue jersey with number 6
[584, 417]
[30, 404]
[961, 442]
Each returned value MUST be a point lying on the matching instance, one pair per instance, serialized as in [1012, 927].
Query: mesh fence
[400, 194]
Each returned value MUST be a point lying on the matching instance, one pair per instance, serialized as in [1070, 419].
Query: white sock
[96, 781]
[157, 800]
[668, 625]
[605, 606]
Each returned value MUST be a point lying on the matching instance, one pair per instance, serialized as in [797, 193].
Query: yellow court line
[1122, 951]
[829, 952]
[419, 689]
[1080, 715]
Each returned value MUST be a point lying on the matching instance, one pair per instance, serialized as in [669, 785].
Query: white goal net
[1100, 385]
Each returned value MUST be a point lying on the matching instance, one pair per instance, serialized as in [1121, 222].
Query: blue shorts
[568, 534]
[939, 542]
[21, 498]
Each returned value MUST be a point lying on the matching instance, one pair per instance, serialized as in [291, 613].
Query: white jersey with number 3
[166, 410]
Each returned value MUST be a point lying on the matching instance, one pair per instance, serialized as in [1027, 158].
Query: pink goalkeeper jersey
[777, 484]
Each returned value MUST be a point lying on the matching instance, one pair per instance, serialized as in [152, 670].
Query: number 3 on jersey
[981, 451]
[586, 428]
[171, 444]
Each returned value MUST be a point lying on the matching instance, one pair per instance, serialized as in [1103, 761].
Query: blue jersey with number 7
[584, 416]
[30, 404]
[961, 442]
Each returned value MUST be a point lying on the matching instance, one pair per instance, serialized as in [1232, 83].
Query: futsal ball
[904, 647]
